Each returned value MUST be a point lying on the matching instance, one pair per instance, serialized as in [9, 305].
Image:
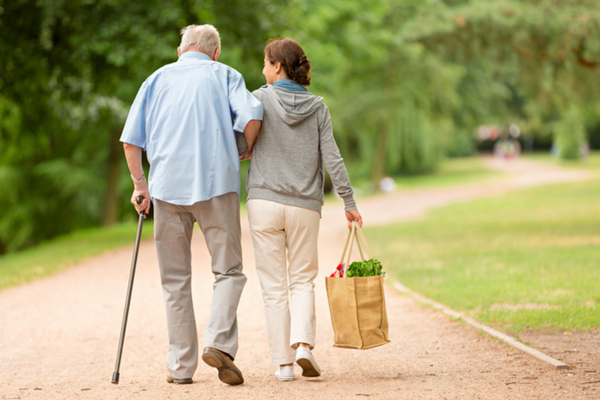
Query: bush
[415, 143]
[460, 144]
[569, 136]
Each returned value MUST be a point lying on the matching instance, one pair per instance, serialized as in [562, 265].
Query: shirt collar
[195, 55]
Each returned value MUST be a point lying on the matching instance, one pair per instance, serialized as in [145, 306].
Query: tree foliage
[68, 72]
[407, 82]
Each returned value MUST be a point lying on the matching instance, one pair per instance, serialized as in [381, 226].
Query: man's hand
[133, 154]
[141, 189]
[353, 215]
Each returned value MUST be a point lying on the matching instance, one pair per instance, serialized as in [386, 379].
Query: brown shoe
[228, 372]
[184, 381]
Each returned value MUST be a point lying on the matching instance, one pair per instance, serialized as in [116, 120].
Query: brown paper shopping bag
[357, 305]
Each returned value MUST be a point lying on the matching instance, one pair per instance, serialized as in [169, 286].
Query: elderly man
[184, 116]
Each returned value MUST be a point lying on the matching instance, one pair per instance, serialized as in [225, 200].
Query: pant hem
[297, 344]
[223, 349]
[179, 377]
[277, 363]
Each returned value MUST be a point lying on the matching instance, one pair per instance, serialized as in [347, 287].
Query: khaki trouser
[277, 228]
[219, 220]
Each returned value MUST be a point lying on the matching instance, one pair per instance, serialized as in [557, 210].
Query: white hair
[204, 37]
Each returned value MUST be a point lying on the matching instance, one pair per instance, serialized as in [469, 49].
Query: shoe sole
[309, 370]
[228, 374]
[185, 381]
[284, 379]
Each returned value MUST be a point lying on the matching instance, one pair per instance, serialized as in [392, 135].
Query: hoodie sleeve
[333, 161]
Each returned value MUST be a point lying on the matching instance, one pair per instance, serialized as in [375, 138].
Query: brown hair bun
[292, 58]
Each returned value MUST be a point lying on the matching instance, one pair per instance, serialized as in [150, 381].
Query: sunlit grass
[450, 172]
[55, 255]
[453, 171]
[523, 260]
[591, 163]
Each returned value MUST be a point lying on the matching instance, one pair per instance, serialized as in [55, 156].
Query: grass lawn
[55, 255]
[591, 163]
[525, 260]
[451, 172]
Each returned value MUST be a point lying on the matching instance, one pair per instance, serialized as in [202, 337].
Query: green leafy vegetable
[370, 267]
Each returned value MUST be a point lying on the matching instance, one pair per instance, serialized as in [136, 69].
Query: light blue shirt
[184, 116]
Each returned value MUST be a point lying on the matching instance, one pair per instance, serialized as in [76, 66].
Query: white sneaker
[285, 373]
[306, 361]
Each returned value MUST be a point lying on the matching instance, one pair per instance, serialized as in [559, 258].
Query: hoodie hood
[293, 107]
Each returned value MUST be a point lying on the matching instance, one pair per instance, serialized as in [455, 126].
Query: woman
[285, 195]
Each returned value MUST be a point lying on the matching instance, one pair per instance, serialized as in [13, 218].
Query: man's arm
[251, 132]
[134, 142]
[133, 154]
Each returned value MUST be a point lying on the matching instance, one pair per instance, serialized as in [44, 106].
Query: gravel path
[59, 335]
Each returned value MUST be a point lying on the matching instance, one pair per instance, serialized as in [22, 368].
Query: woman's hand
[353, 215]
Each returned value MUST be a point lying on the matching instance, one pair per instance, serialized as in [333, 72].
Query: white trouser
[287, 288]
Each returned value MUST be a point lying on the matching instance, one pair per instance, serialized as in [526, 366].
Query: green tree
[407, 82]
[531, 61]
[68, 72]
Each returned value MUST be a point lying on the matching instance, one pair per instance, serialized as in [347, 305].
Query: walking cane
[115, 377]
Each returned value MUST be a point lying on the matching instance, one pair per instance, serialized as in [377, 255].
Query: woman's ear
[278, 67]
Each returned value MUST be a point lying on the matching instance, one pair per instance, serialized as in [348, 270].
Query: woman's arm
[334, 164]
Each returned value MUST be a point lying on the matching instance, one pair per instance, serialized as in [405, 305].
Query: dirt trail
[58, 335]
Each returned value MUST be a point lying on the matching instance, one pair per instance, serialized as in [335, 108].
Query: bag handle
[347, 265]
[341, 266]
[361, 240]
[346, 246]
[348, 251]
[354, 234]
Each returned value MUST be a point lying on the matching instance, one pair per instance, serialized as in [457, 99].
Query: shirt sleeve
[244, 106]
[134, 131]
[333, 161]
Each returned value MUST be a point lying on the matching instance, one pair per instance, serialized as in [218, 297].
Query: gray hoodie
[295, 142]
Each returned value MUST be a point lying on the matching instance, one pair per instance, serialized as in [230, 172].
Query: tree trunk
[111, 194]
